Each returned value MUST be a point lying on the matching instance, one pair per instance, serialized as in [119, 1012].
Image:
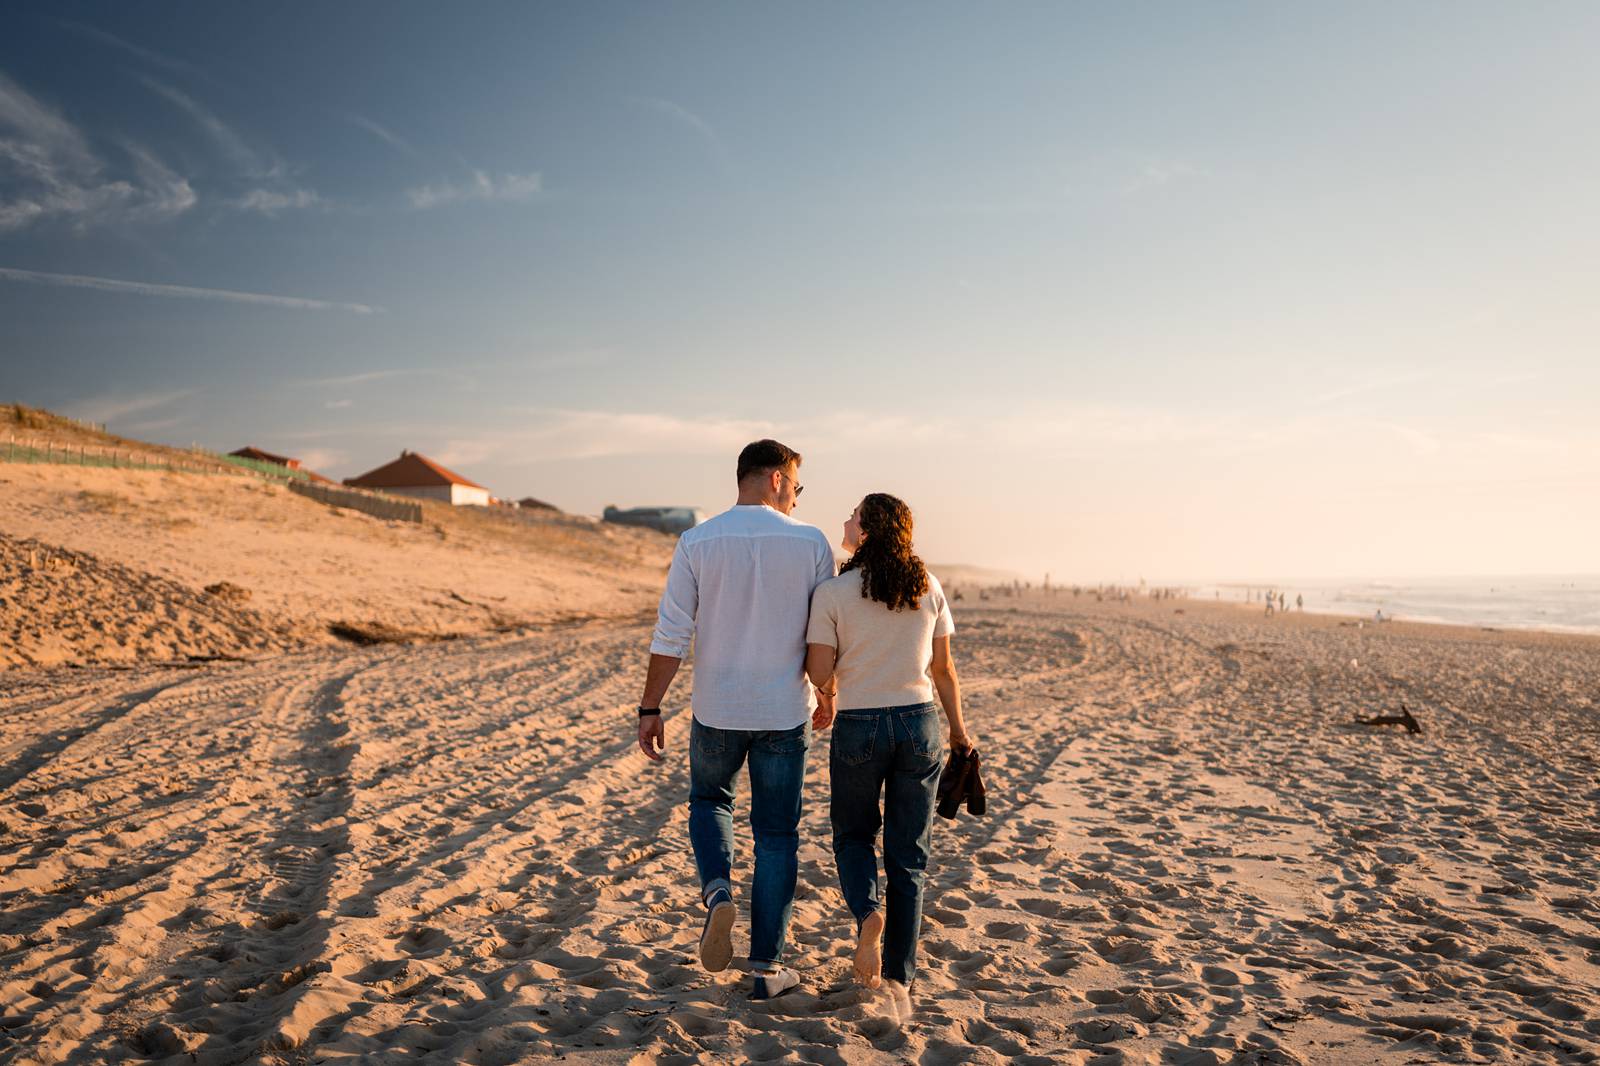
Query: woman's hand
[959, 741]
[822, 717]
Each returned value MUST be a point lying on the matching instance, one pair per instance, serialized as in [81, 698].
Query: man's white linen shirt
[740, 590]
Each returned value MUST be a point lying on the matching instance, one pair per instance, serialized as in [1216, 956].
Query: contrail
[145, 288]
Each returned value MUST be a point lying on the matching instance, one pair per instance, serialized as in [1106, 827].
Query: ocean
[1561, 603]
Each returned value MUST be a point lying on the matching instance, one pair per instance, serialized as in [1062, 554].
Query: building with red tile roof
[260, 455]
[528, 503]
[417, 475]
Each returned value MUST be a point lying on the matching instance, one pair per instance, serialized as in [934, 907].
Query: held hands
[652, 736]
[822, 717]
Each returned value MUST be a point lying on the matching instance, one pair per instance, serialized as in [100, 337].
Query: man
[740, 589]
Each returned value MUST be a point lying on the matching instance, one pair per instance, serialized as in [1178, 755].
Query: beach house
[528, 503]
[417, 475]
[260, 455]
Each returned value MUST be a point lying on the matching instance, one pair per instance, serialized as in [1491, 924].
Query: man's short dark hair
[762, 456]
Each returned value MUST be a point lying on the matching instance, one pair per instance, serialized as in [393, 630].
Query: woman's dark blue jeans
[895, 752]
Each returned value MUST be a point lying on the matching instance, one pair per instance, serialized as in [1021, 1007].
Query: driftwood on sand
[1403, 718]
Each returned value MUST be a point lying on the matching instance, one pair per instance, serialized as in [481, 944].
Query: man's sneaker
[773, 982]
[716, 939]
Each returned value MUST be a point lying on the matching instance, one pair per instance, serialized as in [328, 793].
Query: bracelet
[646, 712]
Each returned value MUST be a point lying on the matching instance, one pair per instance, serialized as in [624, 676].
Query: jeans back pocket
[855, 737]
[705, 739]
[921, 727]
[787, 741]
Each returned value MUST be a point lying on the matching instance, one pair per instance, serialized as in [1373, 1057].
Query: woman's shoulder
[850, 580]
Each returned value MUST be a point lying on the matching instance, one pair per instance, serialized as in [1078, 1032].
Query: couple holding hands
[754, 590]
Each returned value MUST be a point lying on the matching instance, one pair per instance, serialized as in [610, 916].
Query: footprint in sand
[1006, 931]
[1061, 964]
[983, 1034]
[423, 940]
[1220, 976]
[945, 917]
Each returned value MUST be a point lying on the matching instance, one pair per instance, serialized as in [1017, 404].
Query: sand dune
[144, 545]
[59, 605]
[452, 853]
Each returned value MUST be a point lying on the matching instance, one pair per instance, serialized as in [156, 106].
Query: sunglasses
[798, 488]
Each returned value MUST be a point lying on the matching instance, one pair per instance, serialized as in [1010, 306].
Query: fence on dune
[31, 450]
[354, 500]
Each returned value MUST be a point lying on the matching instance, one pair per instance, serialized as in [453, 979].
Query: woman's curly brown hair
[891, 573]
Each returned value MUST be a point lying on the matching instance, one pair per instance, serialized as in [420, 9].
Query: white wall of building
[458, 495]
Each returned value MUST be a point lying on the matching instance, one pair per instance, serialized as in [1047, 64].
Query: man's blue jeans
[777, 773]
[895, 752]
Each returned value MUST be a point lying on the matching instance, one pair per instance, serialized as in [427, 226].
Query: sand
[112, 566]
[452, 852]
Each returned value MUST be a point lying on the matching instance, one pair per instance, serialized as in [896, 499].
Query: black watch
[646, 712]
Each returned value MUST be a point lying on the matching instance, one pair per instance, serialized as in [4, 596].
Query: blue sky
[1179, 290]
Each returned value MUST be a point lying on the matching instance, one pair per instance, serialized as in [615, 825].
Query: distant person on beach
[739, 589]
[880, 633]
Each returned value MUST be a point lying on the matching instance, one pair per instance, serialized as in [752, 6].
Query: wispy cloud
[322, 458]
[272, 188]
[370, 377]
[576, 434]
[48, 170]
[169, 194]
[253, 162]
[687, 119]
[483, 186]
[271, 201]
[248, 159]
[41, 127]
[148, 55]
[384, 134]
[1100, 428]
[112, 407]
[576, 359]
[1375, 383]
[186, 292]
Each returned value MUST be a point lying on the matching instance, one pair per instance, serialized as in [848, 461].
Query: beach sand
[453, 852]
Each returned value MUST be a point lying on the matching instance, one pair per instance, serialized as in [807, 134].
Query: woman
[879, 637]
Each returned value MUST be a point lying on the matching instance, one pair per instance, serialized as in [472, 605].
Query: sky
[1177, 291]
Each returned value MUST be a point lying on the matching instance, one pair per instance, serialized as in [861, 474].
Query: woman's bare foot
[869, 950]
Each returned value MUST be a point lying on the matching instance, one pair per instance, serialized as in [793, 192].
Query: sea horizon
[1560, 603]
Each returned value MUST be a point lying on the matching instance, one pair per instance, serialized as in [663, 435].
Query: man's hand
[652, 736]
[822, 717]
